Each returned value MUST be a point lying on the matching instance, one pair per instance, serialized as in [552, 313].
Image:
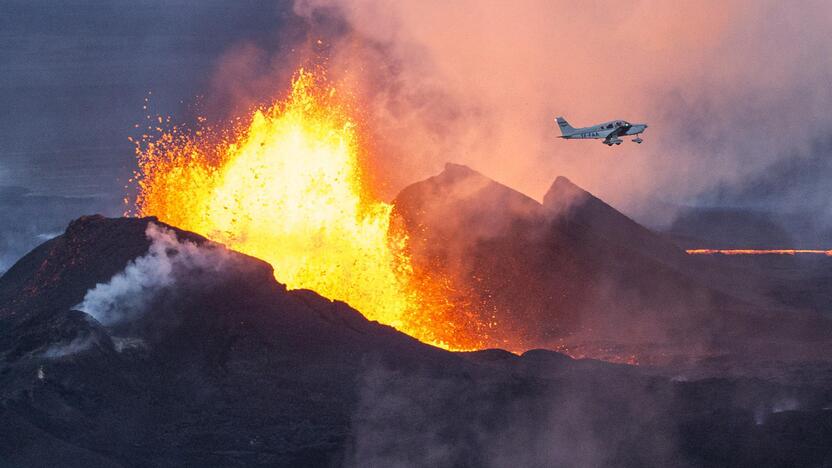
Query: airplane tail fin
[565, 128]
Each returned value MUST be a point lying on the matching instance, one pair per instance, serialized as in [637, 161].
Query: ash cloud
[728, 89]
[129, 293]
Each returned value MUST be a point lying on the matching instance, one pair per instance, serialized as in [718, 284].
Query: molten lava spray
[286, 186]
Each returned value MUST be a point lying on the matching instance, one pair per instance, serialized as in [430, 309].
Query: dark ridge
[575, 267]
[566, 201]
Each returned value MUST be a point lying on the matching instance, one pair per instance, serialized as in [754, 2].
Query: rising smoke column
[126, 296]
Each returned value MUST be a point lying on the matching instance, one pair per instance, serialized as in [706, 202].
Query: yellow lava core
[286, 186]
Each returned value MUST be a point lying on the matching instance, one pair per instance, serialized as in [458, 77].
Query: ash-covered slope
[55, 277]
[575, 266]
[219, 360]
[576, 210]
[192, 355]
[493, 241]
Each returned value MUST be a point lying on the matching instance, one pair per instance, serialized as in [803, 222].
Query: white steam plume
[126, 296]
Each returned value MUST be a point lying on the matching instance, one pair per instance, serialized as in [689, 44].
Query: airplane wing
[614, 135]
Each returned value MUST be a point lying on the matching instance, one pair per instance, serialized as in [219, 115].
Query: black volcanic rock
[574, 268]
[228, 368]
[459, 207]
[540, 266]
[567, 203]
[492, 240]
[240, 336]
[45, 285]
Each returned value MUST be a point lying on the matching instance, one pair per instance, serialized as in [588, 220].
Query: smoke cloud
[729, 89]
[128, 294]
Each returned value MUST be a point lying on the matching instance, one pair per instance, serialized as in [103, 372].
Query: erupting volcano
[354, 234]
[288, 187]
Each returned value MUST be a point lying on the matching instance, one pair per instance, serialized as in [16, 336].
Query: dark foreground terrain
[220, 365]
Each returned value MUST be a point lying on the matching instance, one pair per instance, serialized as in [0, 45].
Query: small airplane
[609, 131]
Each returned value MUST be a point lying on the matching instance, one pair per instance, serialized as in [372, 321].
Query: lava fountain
[286, 185]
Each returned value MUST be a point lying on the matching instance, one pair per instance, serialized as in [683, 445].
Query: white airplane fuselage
[609, 132]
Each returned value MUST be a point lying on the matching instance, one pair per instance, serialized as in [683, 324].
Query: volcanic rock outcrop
[575, 269]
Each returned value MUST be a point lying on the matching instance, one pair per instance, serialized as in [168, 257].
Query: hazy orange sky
[727, 88]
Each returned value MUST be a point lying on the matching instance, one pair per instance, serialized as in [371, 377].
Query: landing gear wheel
[637, 140]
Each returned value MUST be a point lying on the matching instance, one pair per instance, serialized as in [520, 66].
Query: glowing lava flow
[758, 252]
[287, 187]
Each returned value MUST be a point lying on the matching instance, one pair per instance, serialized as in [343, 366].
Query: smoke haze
[405, 420]
[729, 90]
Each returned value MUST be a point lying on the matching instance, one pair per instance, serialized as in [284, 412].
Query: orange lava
[758, 252]
[288, 185]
